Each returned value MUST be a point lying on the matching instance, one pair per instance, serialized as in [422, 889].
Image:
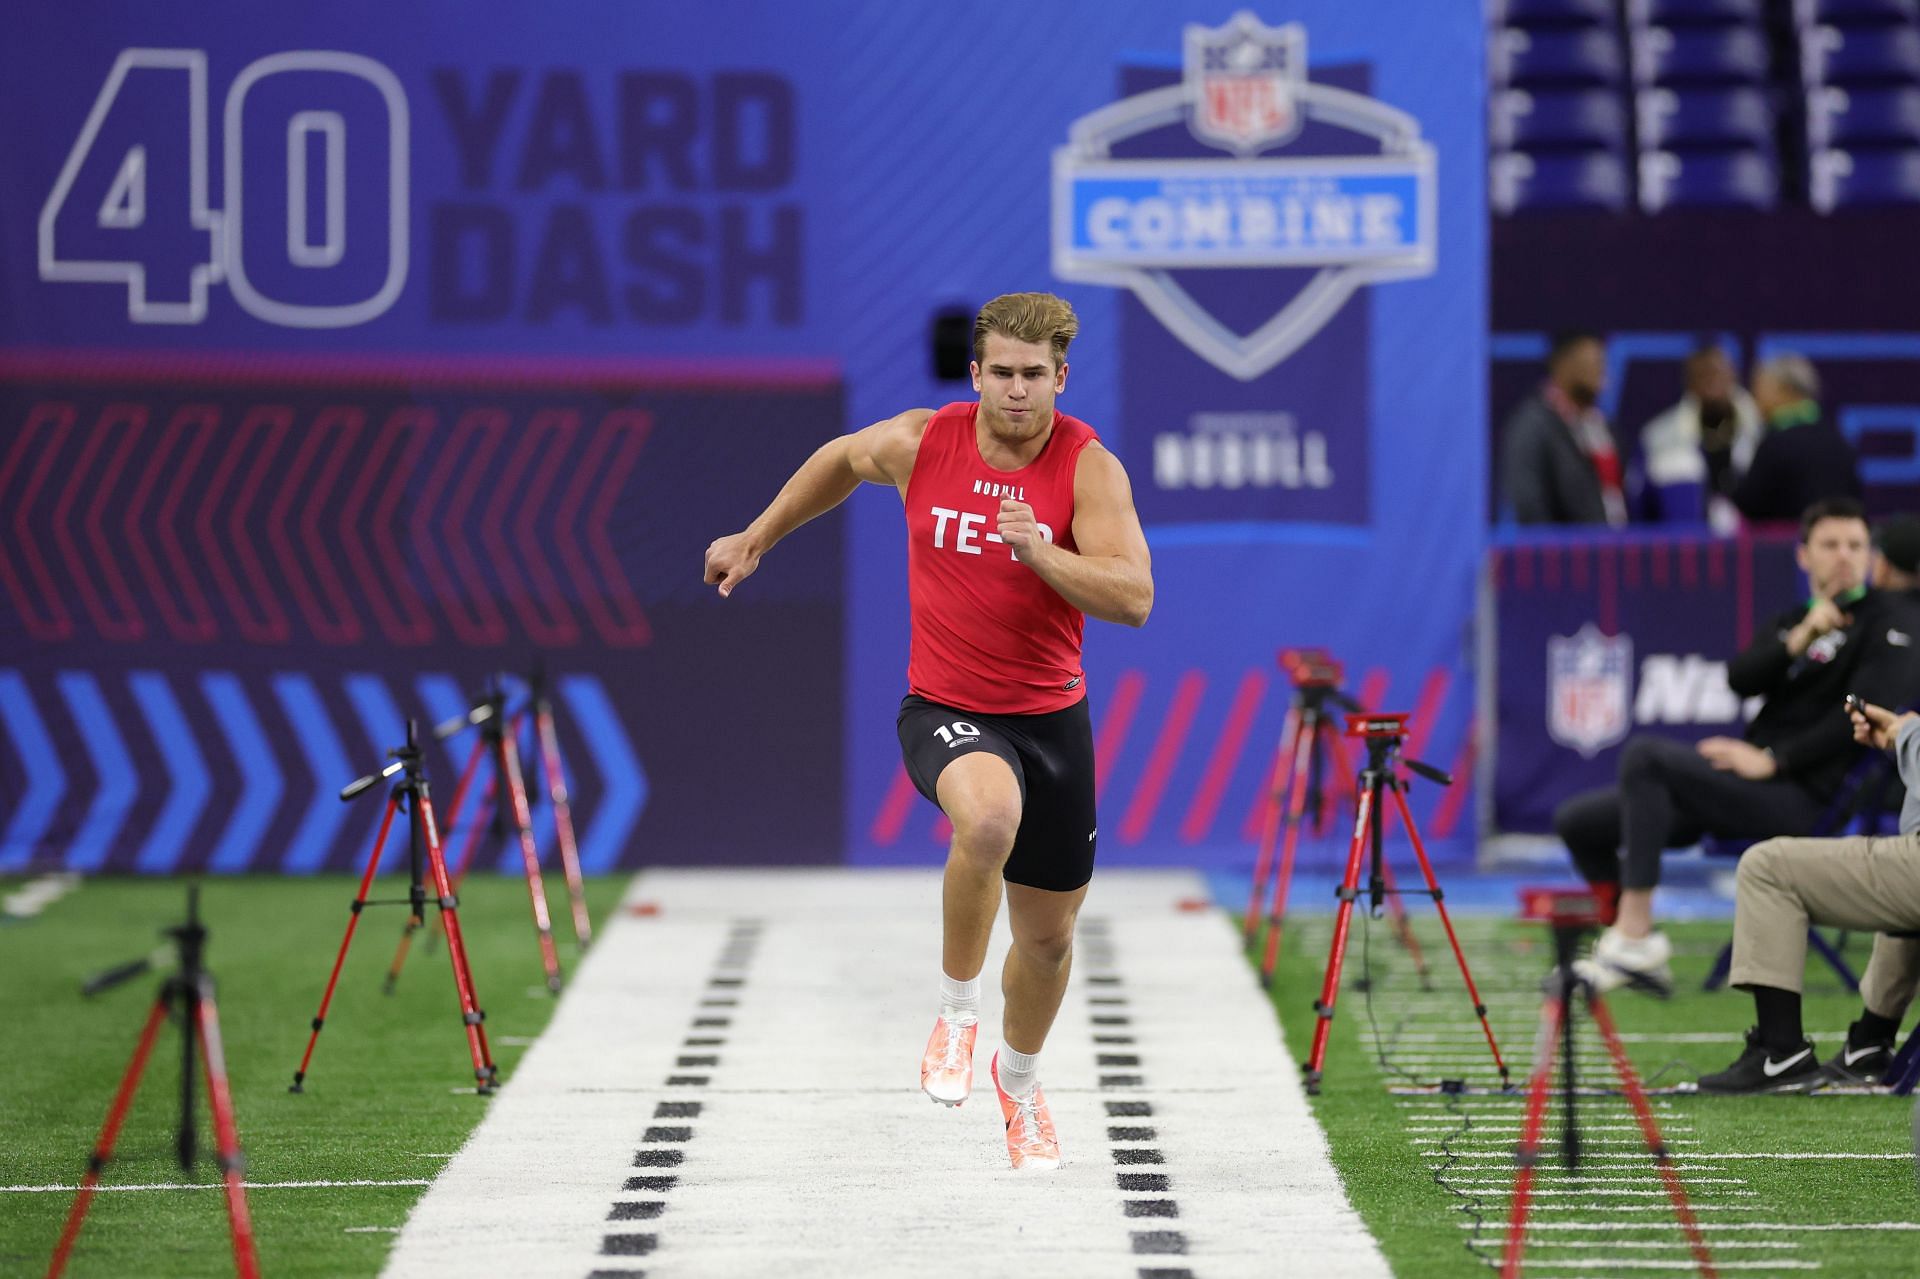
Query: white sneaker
[1642, 963]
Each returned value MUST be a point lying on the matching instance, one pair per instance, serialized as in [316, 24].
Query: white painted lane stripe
[1702, 1156]
[812, 1123]
[1638, 1263]
[217, 1185]
[1646, 1245]
[36, 895]
[1771, 1226]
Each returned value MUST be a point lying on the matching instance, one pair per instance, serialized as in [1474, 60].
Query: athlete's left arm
[1110, 575]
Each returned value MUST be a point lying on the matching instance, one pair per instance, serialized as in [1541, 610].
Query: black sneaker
[1759, 1070]
[1859, 1061]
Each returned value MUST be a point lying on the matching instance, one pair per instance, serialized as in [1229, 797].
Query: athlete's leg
[981, 797]
[1035, 976]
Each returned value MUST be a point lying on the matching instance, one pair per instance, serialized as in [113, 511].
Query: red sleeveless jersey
[989, 634]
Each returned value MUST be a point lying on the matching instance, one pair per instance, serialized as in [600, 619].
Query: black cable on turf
[1472, 1204]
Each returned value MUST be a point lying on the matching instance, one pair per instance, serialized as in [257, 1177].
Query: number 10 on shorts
[960, 731]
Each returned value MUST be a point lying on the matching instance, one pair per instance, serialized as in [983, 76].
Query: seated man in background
[1897, 567]
[1803, 457]
[1778, 778]
[1872, 884]
[1696, 451]
[1557, 455]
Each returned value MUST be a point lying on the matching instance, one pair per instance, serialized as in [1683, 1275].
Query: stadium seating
[1695, 13]
[1726, 179]
[1841, 13]
[1669, 118]
[1537, 15]
[1851, 56]
[1584, 179]
[1727, 103]
[1851, 118]
[1587, 58]
[1578, 118]
[1685, 56]
[1843, 179]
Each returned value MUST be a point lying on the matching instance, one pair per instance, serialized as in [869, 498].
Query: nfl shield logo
[1588, 689]
[1246, 79]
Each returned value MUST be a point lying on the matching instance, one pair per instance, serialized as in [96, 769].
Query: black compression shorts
[1052, 758]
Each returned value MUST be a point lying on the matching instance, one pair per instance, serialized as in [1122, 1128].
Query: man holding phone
[1871, 884]
[1779, 776]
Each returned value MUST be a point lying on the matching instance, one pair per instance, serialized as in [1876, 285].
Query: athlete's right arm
[879, 454]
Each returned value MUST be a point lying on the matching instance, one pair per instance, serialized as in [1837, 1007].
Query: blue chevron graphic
[623, 781]
[186, 767]
[331, 770]
[386, 727]
[46, 781]
[260, 782]
[442, 698]
[119, 783]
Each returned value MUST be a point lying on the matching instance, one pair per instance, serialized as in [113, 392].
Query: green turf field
[389, 1094]
[389, 1097]
[1417, 1219]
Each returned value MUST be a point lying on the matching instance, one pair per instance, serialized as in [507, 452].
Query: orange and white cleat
[1031, 1143]
[946, 1069]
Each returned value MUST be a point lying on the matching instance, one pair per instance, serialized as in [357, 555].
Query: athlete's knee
[985, 829]
[1047, 946]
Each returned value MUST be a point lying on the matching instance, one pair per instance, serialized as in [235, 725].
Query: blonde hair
[1027, 317]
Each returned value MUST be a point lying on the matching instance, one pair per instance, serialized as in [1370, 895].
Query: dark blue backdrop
[479, 247]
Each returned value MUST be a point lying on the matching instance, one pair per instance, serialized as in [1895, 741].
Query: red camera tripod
[1309, 735]
[1384, 734]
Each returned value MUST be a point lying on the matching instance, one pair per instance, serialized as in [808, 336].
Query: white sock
[1019, 1072]
[960, 1000]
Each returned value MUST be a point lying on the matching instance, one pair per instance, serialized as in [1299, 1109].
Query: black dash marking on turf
[1164, 1272]
[658, 1184]
[636, 1245]
[648, 1209]
[1130, 1155]
[1168, 1241]
[1125, 1069]
[659, 1158]
[663, 1141]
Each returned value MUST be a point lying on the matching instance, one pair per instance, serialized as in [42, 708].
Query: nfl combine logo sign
[1589, 678]
[1249, 78]
[1344, 221]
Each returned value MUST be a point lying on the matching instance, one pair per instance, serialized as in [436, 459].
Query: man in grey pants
[1871, 884]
